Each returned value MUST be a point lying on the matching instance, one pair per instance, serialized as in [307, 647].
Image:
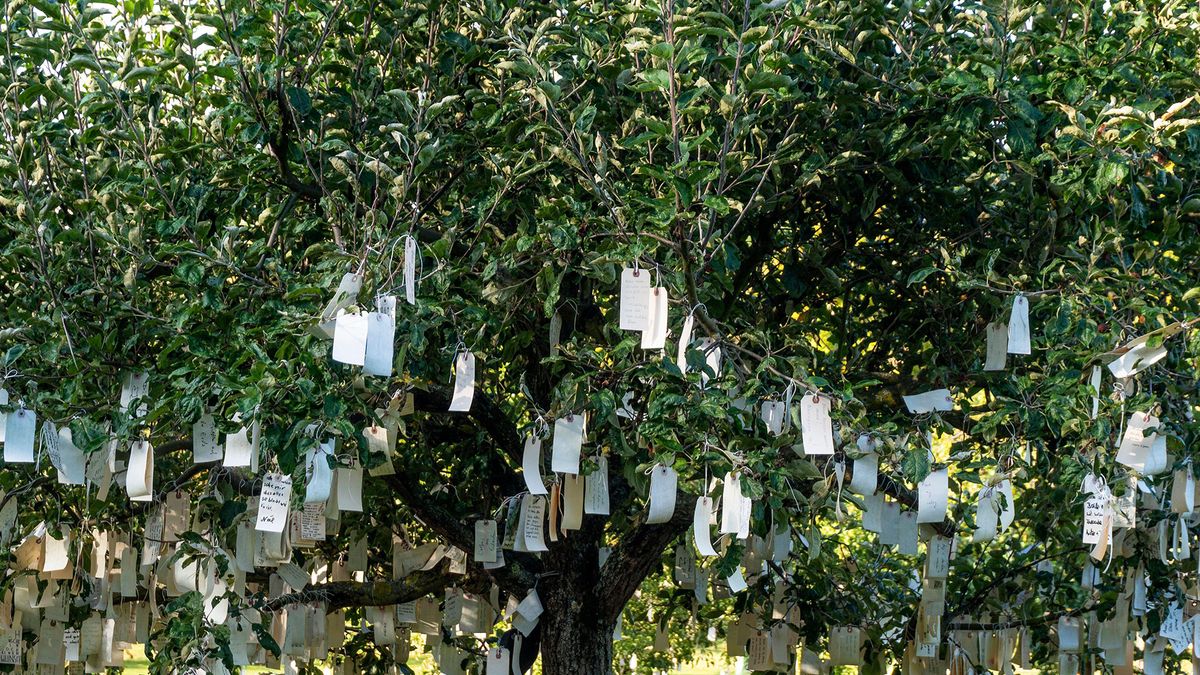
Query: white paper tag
[531, 465]
[239, 449]
[139, 476]
[815, 425]
[346, 295]
[735, 508]
[635, 299]
[986, 516]
[348, 487]
[933, 496]
[533, 516]
[596, 497]
[320, 474]
[663, 483]
[273, 503]
[380, 345]
[1135, 445]
[350, 339]
[568, 443]
[135, 387]
[464, 382]
[655, 334]
[497, 661]
[410, 269]
[864, 478]
[773, 414]
[997, 347]
[312, 521]
[701, 518]
[929, 401]
[20, 429]
[73, 461]
[572, 500]
[685, 339]
[486, 544]
[205, 447]
[1096, 511]
[1018, 326]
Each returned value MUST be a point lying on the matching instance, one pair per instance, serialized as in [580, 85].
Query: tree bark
[576, 637]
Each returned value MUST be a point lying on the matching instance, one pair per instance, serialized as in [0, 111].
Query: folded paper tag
[531, 465]
[701, 518]
[139, 477]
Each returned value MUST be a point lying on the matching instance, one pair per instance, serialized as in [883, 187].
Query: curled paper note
[663, 483]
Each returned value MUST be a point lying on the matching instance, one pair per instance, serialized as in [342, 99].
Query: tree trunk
[576, 640]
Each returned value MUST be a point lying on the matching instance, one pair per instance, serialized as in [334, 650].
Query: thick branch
[638, 553]
[339, 594]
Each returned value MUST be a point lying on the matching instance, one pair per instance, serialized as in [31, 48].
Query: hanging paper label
[273, 503]
[380, 345]
[933, 495]
[655, 334]
[204, 440]
[635, 299]
[929, 401]
[700, 530]
[663, 483]
[596, 497]
[568, 444]
[815, 425]
[464, 382]
[20, 428]
[1018, 326]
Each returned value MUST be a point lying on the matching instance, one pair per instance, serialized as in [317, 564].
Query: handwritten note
[486, 545]
[1095, 511]
[380, 345]
[596, 497]
[534, 517]
[815, 425]
[933, 496]
[273, 503]
[312, 521]
[204, 440]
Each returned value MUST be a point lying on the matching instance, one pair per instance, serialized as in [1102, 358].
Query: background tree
[844, 193]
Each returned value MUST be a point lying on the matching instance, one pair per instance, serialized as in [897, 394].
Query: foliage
[845, 192]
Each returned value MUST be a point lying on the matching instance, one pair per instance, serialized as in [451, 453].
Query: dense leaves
[845, 193]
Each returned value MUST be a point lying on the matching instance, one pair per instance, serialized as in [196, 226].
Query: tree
[841, 195]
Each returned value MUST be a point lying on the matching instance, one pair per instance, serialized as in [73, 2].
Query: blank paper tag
[572, 496]
[204, 440]
[531, 465]
[735, 508]
[380, 345]
[273, 503]
[568, 443]
[864, 478]
[700, 522]
[1018, 326]
[139, 477]
[486, 546]
[20, 428]
[816, 426]
[929, 401]
[464, 382]
[239, 449]
[685, 339]
[346, 294]
[350, 339]
[933, 495]
[773, 414]
[497, 661]
[997, 347]
[596, 498]
[348, 486]
[655, 334]
[71, 469]
[635, 299]
[410, 270]
[663, 483]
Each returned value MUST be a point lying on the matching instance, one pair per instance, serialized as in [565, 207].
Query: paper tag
[533, 516]
[1018, 326]
[135, 387]
[572, 494]
[937, 563]
[735, 508]
[205, 447]
[350, 339]
[663, 483]
[238, 448]
[933, 495]
[531, 465]
[596, 497]
[635, 299]
[986, 517]
[312, 521]
[655, 334]
[1135, 445]
[486, 546]
[929, 401]
[464, 382]
[380, 345]
[273, 503]
[685, 339]
[997, 347]
[320, 474]
[568, 444]
[815, 425]
[700, 522]
[348, 487]
[1096, 510]
[20, 428]
[410, 269]
[864, 478]
[346, 295]
[497, 661]
[139, 477]
[773, 414]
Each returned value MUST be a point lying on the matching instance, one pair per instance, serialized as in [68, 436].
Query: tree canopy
[843, 202]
